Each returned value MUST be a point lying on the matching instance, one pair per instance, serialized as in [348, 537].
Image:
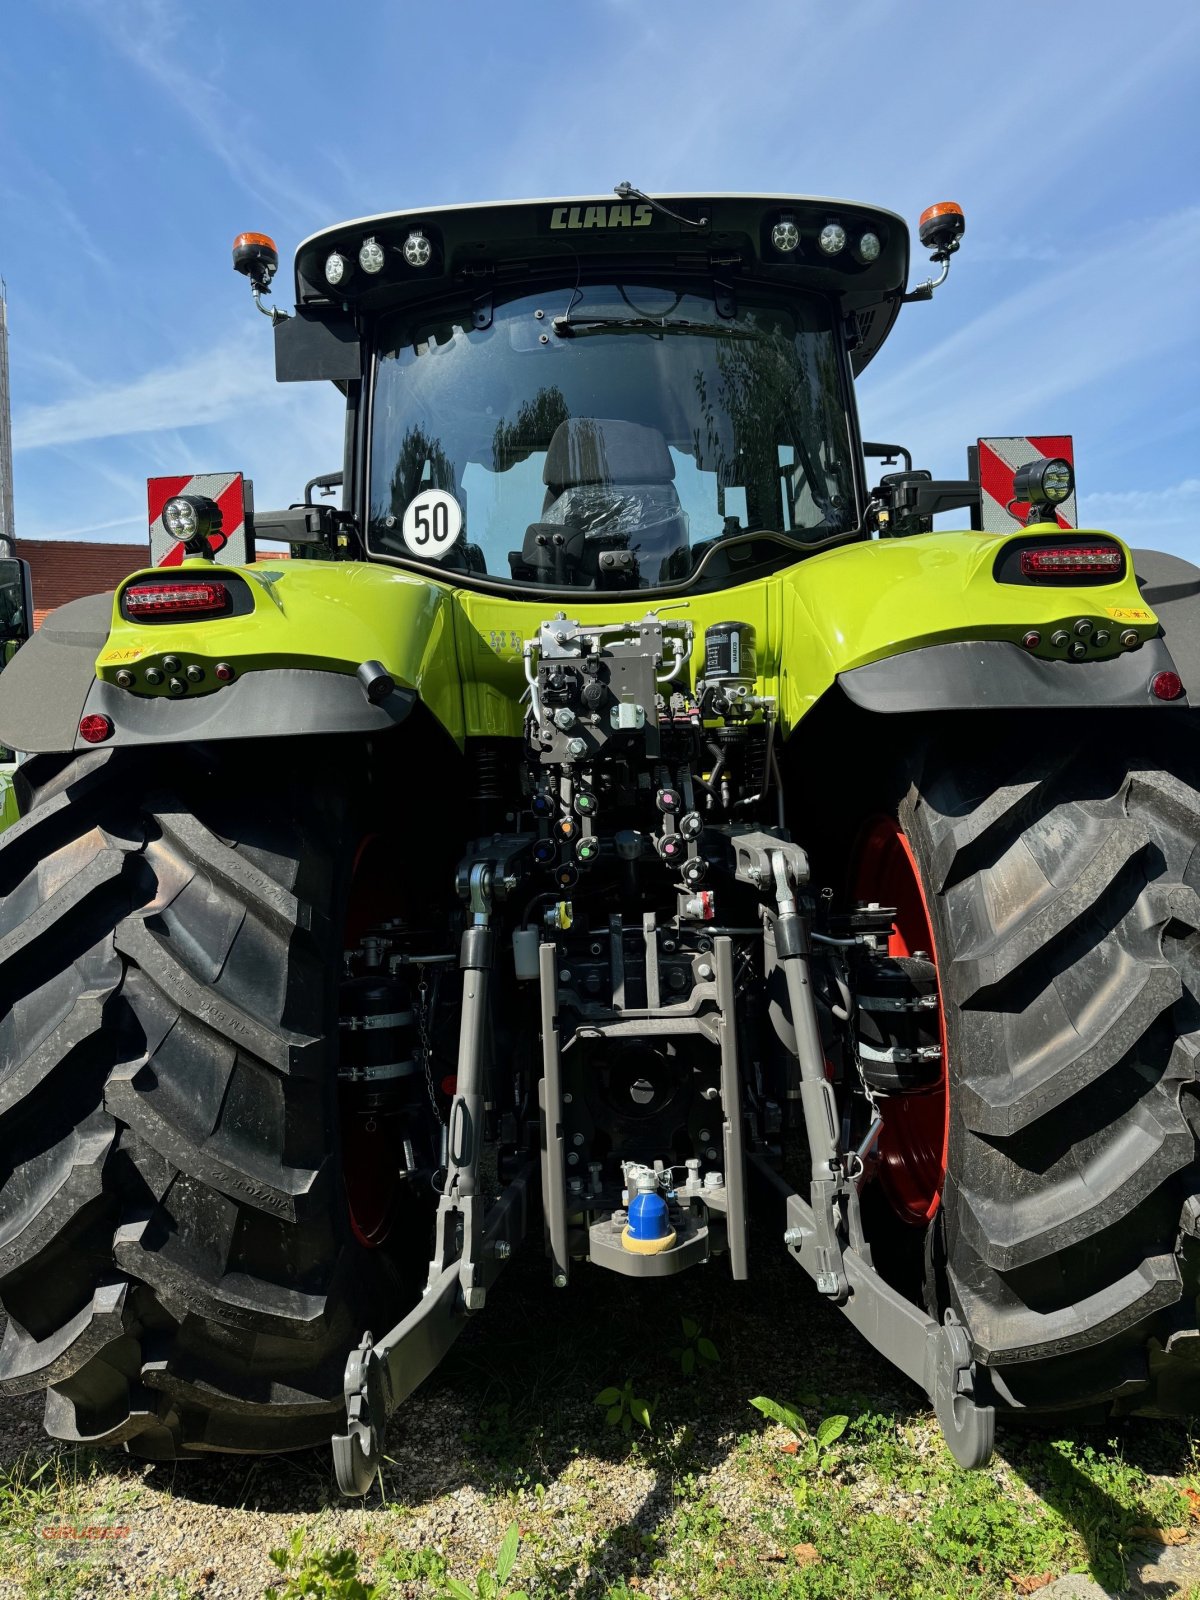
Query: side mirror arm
[907, 502]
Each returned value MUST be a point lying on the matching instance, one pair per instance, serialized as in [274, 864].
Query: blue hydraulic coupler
[649, 1229]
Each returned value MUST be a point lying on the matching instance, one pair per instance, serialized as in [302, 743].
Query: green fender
[829, 616]
[307, 626]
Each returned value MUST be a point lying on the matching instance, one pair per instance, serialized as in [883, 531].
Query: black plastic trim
[993, 675]
[44, 686]
[286, 702]
[1171, 586]
[314, 344]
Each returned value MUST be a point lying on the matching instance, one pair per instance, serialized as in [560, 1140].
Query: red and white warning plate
[998, 463]
[228, 489]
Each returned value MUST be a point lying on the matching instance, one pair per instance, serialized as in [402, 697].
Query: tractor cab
[599, 395]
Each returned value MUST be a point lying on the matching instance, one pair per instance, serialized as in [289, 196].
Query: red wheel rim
[916, 1127]
[370, 1173]
[369, 1141]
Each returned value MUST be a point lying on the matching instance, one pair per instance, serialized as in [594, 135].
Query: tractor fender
[995, 675]
[51, 683]
[45, 685]
[926, 623]
[1172, 586]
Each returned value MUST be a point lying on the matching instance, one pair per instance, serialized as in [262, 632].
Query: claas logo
[614, 216]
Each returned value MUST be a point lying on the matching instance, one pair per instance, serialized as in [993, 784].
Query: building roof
[67, 569]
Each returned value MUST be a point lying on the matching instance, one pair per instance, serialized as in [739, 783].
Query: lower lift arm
[824, 1233]
[469, 1248]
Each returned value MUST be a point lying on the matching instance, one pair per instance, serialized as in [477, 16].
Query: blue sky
[138, 136]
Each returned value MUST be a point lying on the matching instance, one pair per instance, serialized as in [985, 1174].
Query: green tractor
[16, 624]
[621, 819]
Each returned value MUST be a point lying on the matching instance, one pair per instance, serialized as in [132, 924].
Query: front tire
[177, 1265]
[1066, 917]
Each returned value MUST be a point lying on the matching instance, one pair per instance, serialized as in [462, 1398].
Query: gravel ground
[508, 1428]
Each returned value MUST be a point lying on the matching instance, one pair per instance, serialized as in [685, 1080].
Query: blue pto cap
[648, 1219]
[648, 1231]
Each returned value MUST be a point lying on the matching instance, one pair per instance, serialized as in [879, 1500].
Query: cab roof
[495, 245]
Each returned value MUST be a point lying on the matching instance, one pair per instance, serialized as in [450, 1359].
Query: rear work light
[195, 598]
[1072, 560]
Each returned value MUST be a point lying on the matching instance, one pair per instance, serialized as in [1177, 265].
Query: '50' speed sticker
[432, 524]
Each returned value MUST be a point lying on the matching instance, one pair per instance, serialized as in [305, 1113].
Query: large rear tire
[177, 1265]
[1066, 916]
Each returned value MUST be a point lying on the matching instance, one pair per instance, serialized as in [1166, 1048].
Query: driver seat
[609, 488]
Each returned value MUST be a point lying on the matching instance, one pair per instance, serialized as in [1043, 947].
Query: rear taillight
[193, 597]
[1072, 561]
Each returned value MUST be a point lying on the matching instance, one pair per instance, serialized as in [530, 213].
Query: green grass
[708, 1502]
[893, 1516]
[882, 1512]
[44, 1492]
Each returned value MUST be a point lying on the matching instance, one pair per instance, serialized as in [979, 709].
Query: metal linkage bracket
[493, 870]
[469, 1249]
[777, 867]
[824, 1234]
[936, 1357]
[380, 1377]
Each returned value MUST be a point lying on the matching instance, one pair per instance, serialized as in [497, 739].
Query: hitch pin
[857, 1164]
[870, 1139]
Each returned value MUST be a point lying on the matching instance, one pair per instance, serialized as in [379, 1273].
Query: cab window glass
[614, 449]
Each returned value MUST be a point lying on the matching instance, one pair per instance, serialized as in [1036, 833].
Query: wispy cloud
[131, 526]
[1171, 498]
[202, 390]
[127, 489]
[280, 446]
[1006, 370]
[36, 191]
[1159, 519]
[1015, 144]
[665, 106]
[150, 34]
